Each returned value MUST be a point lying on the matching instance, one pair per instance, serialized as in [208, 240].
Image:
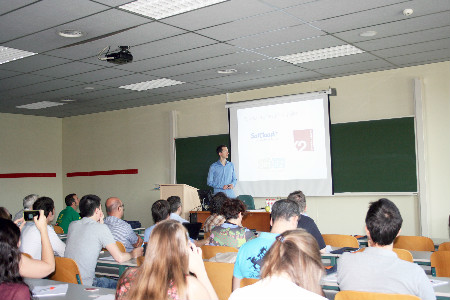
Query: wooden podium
[188, 194]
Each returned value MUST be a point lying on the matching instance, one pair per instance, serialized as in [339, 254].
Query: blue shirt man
[221, 175]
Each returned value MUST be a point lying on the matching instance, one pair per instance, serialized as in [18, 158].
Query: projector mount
[119, 56]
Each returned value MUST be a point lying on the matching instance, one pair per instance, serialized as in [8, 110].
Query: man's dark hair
[285, 209]
[88, 204]
[232, 207]
[383, 220]
[217, 201]
[174, 202]
[44, 203]
[69, 199]
[300, 198]
[160, 210]
[219, 149]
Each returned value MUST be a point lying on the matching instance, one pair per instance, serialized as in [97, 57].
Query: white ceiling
[245, 35]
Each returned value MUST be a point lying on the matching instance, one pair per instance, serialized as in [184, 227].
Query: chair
[414, 243]
[27, 255]
[354, 295]
[58, 229]
[403, 254]
[440, 261]
[66, 270]
[340, 240]
[209, 251]
[444, 246]
[248, 281]
[248, 200]
[119, 245]
[221, 277]
[140, 260]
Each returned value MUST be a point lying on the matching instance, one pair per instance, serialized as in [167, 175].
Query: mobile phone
[28, 215]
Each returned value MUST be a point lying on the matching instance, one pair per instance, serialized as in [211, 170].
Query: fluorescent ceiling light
[153, 84]
[159, 9]
[320, 54]
[39, 105]
[10, 54]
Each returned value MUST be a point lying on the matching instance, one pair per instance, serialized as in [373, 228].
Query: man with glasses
[120, 229]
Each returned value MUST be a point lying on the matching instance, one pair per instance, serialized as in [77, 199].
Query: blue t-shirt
[250, 256]
[220, 175]
[147, 233]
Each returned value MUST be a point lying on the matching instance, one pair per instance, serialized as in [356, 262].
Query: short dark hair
[232, 207]
[217, 201]
[44, 203]
[383, 220]
[4, 213]
[174, 202]
[160, 210]
[69, 199]
[300, 198]
[88, 204]
[285, 209]
[219, 149]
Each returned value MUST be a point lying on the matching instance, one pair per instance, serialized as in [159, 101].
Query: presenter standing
[221, 175]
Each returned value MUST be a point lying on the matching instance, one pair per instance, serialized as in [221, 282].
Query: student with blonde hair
[292, 269]
[165, 272]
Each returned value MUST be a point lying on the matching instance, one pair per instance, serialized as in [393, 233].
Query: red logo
[303, 140]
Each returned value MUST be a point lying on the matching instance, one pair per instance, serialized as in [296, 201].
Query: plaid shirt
[213, 220]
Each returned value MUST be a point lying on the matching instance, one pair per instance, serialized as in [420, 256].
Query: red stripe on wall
[98, 173]
[24, 175]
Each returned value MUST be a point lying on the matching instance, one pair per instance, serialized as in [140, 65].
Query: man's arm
[210, 180]
[139, 242]
[233, 177]
[236, 283]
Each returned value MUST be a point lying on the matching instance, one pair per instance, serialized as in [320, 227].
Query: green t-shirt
[66, 216]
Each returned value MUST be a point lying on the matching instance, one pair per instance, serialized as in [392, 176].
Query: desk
[62, 236]
[258, 220]
[139, 230]
[112, 263]
[74, 292]
[329, 282]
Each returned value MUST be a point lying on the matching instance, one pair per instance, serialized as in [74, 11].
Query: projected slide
[282, 142]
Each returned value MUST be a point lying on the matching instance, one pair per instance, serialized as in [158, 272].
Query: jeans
[104, 282]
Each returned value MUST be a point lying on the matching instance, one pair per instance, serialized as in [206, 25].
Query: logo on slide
[303, 140]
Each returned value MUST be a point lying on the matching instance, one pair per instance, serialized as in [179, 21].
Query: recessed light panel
[153, 84]
[40, 105]
[10, 54]
[320, 54]
[159, 9]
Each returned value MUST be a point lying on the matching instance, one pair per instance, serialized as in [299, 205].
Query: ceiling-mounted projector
[120, 56]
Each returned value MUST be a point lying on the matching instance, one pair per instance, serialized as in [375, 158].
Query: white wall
[30, 145]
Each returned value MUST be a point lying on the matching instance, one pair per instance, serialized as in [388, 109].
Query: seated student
[16, 266]
[284, 216]
[215, 207]
[306, 222]
[231, 233]
[175, 209]
[378, 269]
[69, 214]
[165, 272]
[31, 236]
[160, 212]
[4, 213]
[292, 269]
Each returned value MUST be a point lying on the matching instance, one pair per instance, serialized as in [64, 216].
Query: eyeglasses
[123, 206]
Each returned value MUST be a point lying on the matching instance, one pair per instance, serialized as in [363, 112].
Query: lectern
[188, 194]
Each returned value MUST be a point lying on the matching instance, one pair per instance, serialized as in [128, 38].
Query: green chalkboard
[195, 155]
[370, 156]
[374, 156]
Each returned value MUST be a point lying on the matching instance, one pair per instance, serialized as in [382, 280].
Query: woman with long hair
[292, 269]
[14, 266]
[231, 233]
[169, 259]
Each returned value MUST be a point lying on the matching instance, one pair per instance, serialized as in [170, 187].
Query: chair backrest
[354, 295]
[27, 255]
[440, 261]
[58, 229]
[248, 281]
[444, 246]
[140, 260]
[340, 240]
[403, 254]
[209, 251]
[414, 243]
[119, 245]
[66, 270]
[248, 200]
[221, 277]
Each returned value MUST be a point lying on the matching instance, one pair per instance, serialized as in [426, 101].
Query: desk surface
[74, 292]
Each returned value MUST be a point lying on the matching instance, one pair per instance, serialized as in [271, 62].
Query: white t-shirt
[30, 241]
[274, 288]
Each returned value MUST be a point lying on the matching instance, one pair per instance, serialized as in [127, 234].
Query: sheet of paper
[50, 290]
